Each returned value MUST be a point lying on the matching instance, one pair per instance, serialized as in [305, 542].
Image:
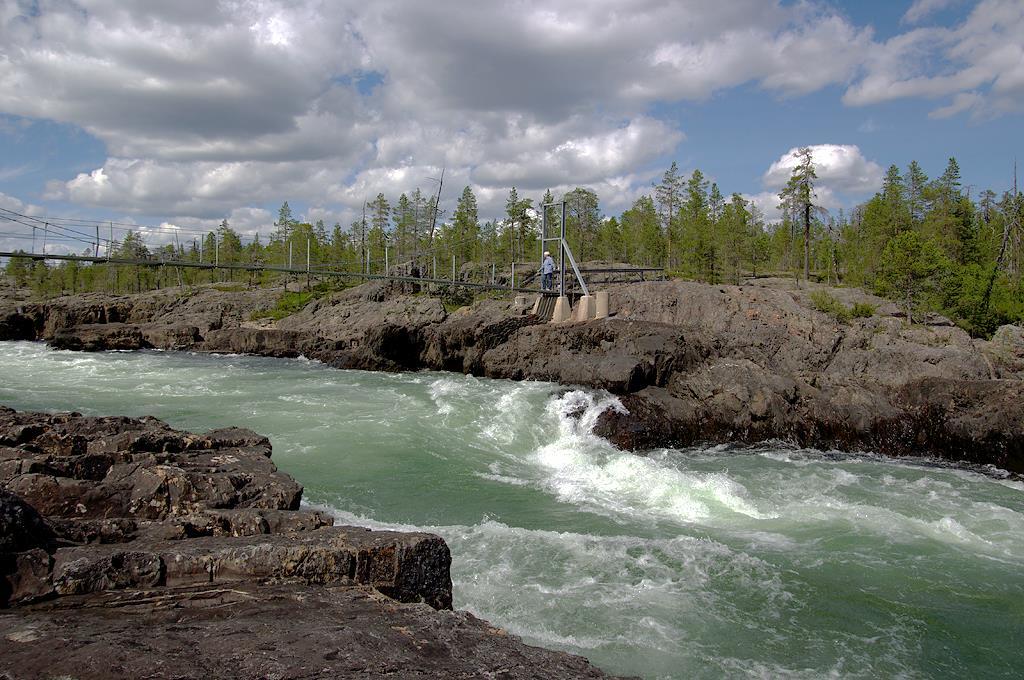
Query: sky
[176, 115]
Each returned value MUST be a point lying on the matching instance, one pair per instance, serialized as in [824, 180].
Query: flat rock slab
[409, 567]
[280, 631]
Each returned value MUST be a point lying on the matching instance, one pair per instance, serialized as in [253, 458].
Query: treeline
[926, 243]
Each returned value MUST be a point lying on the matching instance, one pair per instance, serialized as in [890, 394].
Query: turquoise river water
[709, 562]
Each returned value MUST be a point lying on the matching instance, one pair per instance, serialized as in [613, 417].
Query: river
[764, 561]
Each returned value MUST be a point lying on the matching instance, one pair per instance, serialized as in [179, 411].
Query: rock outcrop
[130, 549]
[692, 362]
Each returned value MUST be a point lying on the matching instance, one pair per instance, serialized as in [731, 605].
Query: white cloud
[839, 167]
[965, 101]
[983, 57]
[200, 189]
[841, 171]
[17, 205]
[922, 8]
[19, 233]
[583, 159]
[767, 202]
[207, 106]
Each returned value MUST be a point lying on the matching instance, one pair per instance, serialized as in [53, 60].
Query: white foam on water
[844, 478]
[302, 400]
[443, 392]
[583, 469]
[502, 479]
[503, 423]
[625, 584]
[1011, 483]
[750, 668]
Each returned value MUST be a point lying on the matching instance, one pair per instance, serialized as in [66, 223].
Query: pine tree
[466, 225]
[283, 224]
[909, 264]
[669, 197]
[583, 217]
[700, 254]
[916, 184]
[512, 216]
[735, 232]
[229, 243]
[420, 220]
[609, 240]
[380, 225]
[641, 232]
[716, 203]
[895, 199]
[404, 220]
[798, 199]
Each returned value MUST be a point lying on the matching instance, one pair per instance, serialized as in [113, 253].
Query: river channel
[764, 561]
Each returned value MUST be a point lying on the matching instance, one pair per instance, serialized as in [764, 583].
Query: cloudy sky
[190, 111]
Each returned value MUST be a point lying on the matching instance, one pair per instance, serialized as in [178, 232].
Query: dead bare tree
[1010, 226]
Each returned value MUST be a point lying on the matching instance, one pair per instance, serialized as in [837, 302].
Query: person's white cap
[547, 252]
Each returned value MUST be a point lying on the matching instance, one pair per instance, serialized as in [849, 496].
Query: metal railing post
[561, 245]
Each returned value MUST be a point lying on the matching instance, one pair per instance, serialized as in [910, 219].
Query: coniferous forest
[928, 243]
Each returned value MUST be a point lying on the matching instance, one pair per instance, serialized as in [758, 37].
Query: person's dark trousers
[546, 282]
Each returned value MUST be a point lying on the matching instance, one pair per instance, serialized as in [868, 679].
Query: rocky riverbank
[129, 549]
[691, 362]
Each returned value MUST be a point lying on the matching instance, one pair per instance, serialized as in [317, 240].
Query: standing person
[547, 269]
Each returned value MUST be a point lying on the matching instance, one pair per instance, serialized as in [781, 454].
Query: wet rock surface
[692, 362]
[131, 549]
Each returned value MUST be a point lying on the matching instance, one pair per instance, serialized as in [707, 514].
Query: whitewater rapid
[764, 561]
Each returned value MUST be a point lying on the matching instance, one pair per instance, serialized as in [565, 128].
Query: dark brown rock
[405, 566]
[21, 525]
[264, 341]
[99, 337]
[74, 466]
[244, 630]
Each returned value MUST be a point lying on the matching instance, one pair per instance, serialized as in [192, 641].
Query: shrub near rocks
[825, 302]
